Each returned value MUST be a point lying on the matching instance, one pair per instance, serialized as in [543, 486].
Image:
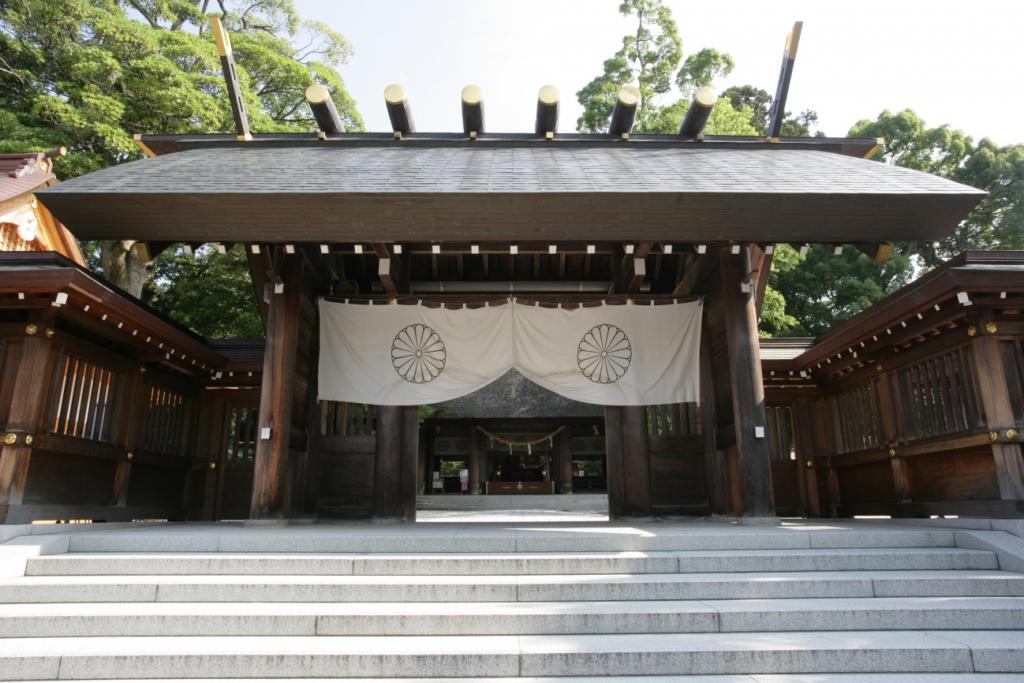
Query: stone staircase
[697, 602]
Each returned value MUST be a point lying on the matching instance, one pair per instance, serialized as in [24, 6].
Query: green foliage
[759, 103]
[208, 292]
[648, 58]
[822, 289]
[87, 74]
[998, 222]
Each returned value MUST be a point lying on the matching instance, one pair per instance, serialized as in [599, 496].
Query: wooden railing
[113, 439]
[920, 437]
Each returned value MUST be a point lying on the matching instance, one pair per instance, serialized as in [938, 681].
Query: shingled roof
[23, 172]
[389, 190]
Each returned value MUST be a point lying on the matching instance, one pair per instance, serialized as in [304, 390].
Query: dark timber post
[394, 476]
[994, 400]
[132, 432]
[749, 421]
[31, 390]
[715, 474]
[564, 446]
[270, 476]
[629, 464]
[476, 458]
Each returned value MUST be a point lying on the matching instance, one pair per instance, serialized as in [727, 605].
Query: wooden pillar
[994, 401]
[270, 476]
[890, 435]
[31, 392]
[629, 463]
[753, 452]
[803, 432]
[564, 446]
[476, 459]
[715, 473]
[394, 476]
[132, 431]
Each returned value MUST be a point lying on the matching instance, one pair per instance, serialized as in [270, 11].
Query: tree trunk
[122, 266]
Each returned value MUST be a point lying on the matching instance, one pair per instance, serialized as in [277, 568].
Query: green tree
[209, 292]
[648, 57]
[822, 289]
[759, 103]
[998, 221]
[87, 74]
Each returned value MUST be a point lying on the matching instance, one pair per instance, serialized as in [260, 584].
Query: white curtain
[609, 355]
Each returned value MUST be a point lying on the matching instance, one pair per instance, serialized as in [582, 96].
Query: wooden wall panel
[967, 475]
[61, 479]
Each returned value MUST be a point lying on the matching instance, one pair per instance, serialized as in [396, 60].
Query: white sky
[953, 62]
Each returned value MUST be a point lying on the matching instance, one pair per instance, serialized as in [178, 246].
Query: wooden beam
[398, 110]
[322, 105]
[760, 268]
[260, 267]
[879, 252]
[234, 90]
[473, 111]
[778, 110]
[697, 274]
[625, 111]
[147, 251]
[749, 419]
[547, 112]
[276, 393]
[699, 112]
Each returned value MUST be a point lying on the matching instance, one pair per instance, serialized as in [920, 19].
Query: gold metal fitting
[31, 329]
[29, 439]
[810, 463]
[991, 327]
[993, 436]
[50, 332]
[1012, 434]
[10, 439]
[130, 455]
[213, 465]
[971, 331]
[892, 452]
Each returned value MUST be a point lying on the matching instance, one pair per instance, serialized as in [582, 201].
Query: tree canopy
[808, 294]
[88, 74]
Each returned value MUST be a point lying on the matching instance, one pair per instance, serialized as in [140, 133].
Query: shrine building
[577, 312]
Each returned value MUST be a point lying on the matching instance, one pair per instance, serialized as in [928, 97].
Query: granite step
[504, 588]
[64, 620]
[453, 657]
[627, 562]
[459, 539]
[712, 678]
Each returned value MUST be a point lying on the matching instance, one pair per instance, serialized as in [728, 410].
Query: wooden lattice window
[347, 419]
[857, 416]
[937, 397]
[165, 421]
[242, 435]
[780, 432]
[675, 419]
[86, 399]
[10, 240]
